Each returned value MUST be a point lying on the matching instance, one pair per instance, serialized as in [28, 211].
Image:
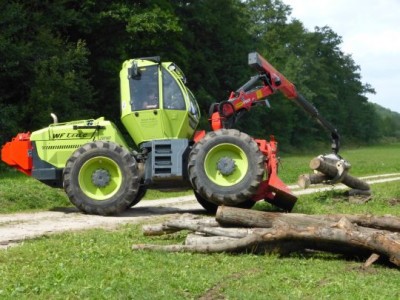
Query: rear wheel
[139, 196]
[226, 167]
[101, 178]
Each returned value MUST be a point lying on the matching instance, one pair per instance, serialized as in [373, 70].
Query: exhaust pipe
[54, 117]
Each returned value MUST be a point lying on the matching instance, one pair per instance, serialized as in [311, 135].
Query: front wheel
[211, 208]
[101, 178]
[226, 167]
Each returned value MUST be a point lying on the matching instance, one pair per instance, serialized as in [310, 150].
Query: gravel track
[15, 228]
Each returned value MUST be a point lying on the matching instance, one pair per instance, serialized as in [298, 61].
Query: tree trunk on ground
[251, 218]
[176, 225]
[257, 232]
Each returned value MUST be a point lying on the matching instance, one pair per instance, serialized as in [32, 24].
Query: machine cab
[155, 102]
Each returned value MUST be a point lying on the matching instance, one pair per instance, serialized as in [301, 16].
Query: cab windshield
[144, 89]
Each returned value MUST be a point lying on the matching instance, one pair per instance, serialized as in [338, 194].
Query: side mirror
[133, 72]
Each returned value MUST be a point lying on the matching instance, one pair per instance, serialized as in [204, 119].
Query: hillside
[390, 121]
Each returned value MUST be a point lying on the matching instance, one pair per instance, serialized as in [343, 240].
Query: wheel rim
[232, 157]
[100, 178]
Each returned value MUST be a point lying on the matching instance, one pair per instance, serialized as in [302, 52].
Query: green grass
[99, 264]
[19, 192]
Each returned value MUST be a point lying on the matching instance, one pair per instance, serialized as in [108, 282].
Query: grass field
[99, 264]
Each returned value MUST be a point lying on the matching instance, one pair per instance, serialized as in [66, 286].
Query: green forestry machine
[102, 175]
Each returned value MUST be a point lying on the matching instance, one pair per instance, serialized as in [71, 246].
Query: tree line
[64, 56]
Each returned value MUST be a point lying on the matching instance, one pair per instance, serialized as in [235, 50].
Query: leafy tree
[120, 30]
[326, 76]
[41, 71]
[217, 43]
[64, 56]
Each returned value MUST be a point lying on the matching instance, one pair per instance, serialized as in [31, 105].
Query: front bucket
[281, 199]
[274, 191]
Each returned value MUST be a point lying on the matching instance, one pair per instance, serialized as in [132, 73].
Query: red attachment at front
[246, 97]
[273, 189]
[278, 81]
[17, 153]
[198, 135]
[216, 121]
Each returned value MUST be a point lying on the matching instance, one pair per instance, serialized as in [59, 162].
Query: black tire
[139, 196]
[226, 167]
[211, 208]
[101, 178]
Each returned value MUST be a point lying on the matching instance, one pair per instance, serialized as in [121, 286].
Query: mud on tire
[226, 167]
[101, 178]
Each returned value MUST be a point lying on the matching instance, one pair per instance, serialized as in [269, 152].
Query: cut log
[197, 239]
[228, 246]
[158, 229]
[177, 224]
[320, 237]
[217, 231]
[231, 216]
[372, 240]
[285, 233]
[282, 247]
[305, 180]
[331, 171]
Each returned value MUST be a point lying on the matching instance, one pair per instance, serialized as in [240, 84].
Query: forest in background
[64, 56]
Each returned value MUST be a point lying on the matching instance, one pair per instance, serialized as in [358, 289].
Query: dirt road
[15, 228]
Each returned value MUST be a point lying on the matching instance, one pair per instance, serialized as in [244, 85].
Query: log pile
[242, 230]
[332, 171]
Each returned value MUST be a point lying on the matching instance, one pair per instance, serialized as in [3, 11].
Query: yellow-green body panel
[55, 143]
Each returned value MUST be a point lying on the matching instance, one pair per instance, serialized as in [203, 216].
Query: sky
[370, 31]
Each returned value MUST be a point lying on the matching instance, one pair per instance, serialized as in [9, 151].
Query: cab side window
[172, 93]
[194, 108]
